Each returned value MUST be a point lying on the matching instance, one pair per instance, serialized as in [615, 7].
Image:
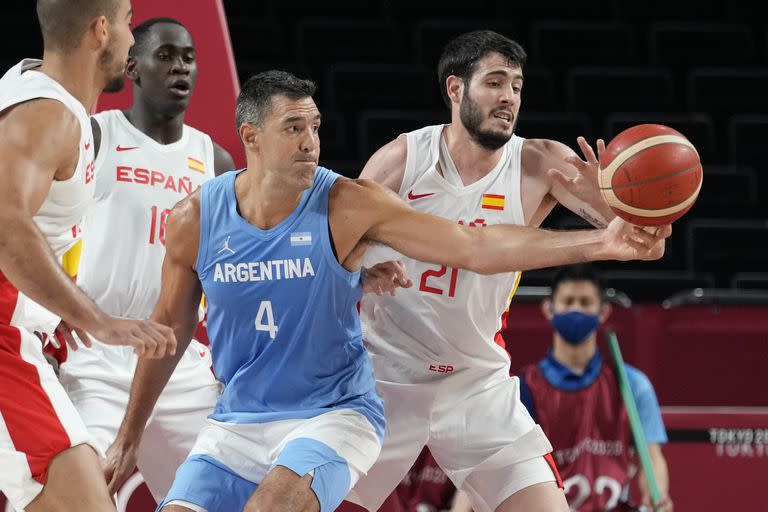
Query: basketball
[650, 174]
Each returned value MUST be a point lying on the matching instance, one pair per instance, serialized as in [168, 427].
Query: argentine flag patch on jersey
[303, 238]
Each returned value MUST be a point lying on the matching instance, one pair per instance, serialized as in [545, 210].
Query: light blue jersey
[282, 318]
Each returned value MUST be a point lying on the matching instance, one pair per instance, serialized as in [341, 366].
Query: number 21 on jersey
[437, 288]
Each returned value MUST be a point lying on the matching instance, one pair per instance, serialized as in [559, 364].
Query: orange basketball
[650, 174]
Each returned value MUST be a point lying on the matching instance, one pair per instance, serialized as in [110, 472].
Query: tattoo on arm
[584, 214]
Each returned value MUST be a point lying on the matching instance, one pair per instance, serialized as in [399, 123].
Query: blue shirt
[282, 318]
[562, 377]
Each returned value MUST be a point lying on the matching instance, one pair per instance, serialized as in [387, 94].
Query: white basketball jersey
[138, 181]
[61, 213]
[448, 320]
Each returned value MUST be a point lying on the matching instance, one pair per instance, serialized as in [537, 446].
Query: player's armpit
[387, 165]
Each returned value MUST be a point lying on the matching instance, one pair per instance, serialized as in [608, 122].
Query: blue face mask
[575, 326]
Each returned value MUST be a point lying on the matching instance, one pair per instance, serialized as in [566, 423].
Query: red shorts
[37, 419]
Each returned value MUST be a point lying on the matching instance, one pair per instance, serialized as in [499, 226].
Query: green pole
[634, 417]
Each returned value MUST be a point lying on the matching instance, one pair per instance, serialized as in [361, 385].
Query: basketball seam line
[651, 180]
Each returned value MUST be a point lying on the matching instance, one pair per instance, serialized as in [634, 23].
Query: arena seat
[563, 127]
[750, 280]
[682, 44]
[353, 86]
[728, 90]
[569, 43]
[611, 89]
[430, 36]
[698, 127]
[724, 245]
[747, 136]
[377, 127]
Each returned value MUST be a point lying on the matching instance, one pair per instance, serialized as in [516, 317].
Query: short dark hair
[462, 53]
[141, 32]
[63, 22]
[580, 272]
[255, 99]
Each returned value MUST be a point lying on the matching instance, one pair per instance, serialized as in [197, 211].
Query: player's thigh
[282, 489]
[37, 419]
[482, 450]
[541, 497]
[205, 484]
[97, 381]
[484, 420]
[335, 449]
[407, 412]
[512, 487]
[74, 483]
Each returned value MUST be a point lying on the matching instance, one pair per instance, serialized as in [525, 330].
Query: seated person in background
[574, 395]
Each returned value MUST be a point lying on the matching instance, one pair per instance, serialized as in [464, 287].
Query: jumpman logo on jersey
[225, 247]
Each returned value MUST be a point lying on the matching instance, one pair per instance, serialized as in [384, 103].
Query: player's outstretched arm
[489, 250]
[176, 308]
[39, 142]
[572, 180]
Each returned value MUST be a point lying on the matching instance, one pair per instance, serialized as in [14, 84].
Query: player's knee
[265, 503]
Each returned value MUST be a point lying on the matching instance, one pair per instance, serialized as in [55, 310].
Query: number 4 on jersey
[265, 310]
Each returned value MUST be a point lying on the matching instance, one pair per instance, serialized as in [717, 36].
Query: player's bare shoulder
[182, 229]
[41, 128]
[387, 165]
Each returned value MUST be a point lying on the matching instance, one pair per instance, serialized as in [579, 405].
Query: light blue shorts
[229, 460]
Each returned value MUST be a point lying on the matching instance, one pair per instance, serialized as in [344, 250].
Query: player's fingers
[54, 340]
[664, 231]
[600, 148]
[559, 177]
[646, 237]
[577, 162]
[587, 150]
[640, 247]
[165, 335]
[161, 341]
[139, 347]
[63, 332]
[85, 338]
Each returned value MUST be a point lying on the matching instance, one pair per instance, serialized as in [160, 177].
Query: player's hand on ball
[625, 241]
[148, 339]
[385, 278]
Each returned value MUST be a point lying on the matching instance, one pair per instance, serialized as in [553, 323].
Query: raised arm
[176, 308]
[572, 180]
[384, 218]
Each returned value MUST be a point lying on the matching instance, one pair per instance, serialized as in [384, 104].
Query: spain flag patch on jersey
[195, 165]
[492, 202]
